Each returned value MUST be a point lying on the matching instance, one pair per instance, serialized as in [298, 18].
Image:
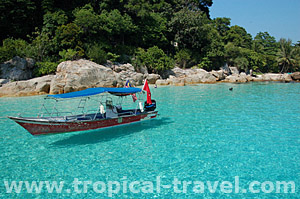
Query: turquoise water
[204, 133]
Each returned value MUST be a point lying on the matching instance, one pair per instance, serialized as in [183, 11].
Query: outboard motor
[150, 107]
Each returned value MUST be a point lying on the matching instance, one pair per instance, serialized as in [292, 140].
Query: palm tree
[285, 55]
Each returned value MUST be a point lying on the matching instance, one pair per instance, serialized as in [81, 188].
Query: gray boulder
[81, 74]
[219, 75]
[234, 70]
[162, 82]
[17, 69]
[192, 76]
[225, 69]
[204, 76]
[295, 76]
[143, 69]
[152, 78]
[167, 73]
[236, 78]
[123, 67]
[274, 77]
[36, 86]
[176, 81]
[178, 72]
[3, 81]
[134, 78]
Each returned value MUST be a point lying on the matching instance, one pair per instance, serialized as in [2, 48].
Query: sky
[281, 19]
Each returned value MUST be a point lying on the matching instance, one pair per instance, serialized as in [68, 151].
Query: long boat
[107, 114]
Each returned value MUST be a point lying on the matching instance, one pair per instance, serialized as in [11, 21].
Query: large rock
[17, 69]
[143, 69]
[123, 67]
[236, 78]
[204, 76]
[225, 69]
[81, 74]
[274, 77]
[3, 81]
[162, 82]
[152, 78]
[295, 76]
[36, 86]
[178, 72]
[193, 76]
[135, 78]
[287, 77]
[176, 81]
[234, 70]
[219, 75]
[167, 73]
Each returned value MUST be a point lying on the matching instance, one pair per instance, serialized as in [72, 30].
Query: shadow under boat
[104, 135]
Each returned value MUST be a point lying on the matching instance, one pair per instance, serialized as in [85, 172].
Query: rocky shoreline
[81, 74]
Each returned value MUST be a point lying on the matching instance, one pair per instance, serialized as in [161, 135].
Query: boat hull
[40, 127]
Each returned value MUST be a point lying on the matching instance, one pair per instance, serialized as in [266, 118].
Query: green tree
[286, 56]
[117, 26]
[222, 25]
[96, 53]
[87, 20]
[265, 43]
[154, 59]
[13, 47]
[244, 59]
[18, 18]
[45, 68]
[213, 51]
[188, 29]
[69, 37]
[239, 37]
[153, 29]
[41, 46]
[182, 57]
[52, 20]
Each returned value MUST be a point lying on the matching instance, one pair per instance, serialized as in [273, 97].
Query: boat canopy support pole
[41, 114]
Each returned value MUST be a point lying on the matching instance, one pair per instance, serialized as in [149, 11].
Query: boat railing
[55, 114]
[85, 117]
[130, 112]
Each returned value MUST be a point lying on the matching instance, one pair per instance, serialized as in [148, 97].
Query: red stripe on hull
[56, 127]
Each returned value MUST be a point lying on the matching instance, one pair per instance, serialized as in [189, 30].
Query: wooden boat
[107, 114]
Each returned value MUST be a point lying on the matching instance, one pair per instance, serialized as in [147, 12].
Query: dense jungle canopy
[158, 34]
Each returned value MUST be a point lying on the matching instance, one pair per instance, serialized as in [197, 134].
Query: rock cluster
[274, 77]
[74, 76]
[181, 77]
[17, 69]
[80, 74]
[296, 76]
[35, 86]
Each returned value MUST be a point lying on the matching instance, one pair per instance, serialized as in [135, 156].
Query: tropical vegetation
[158, 34]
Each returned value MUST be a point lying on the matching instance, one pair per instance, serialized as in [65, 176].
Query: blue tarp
[99, 90]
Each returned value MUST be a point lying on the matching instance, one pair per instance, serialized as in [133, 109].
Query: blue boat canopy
[98, 90]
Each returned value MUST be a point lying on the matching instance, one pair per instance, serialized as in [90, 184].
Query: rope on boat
[3, 118]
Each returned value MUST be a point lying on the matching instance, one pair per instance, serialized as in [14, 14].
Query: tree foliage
[154, 59]
[140, 31]
[287, 55]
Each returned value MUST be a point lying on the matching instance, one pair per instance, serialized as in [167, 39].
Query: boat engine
[150, 107]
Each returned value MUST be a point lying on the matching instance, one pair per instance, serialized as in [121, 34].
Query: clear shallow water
[204, 133]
